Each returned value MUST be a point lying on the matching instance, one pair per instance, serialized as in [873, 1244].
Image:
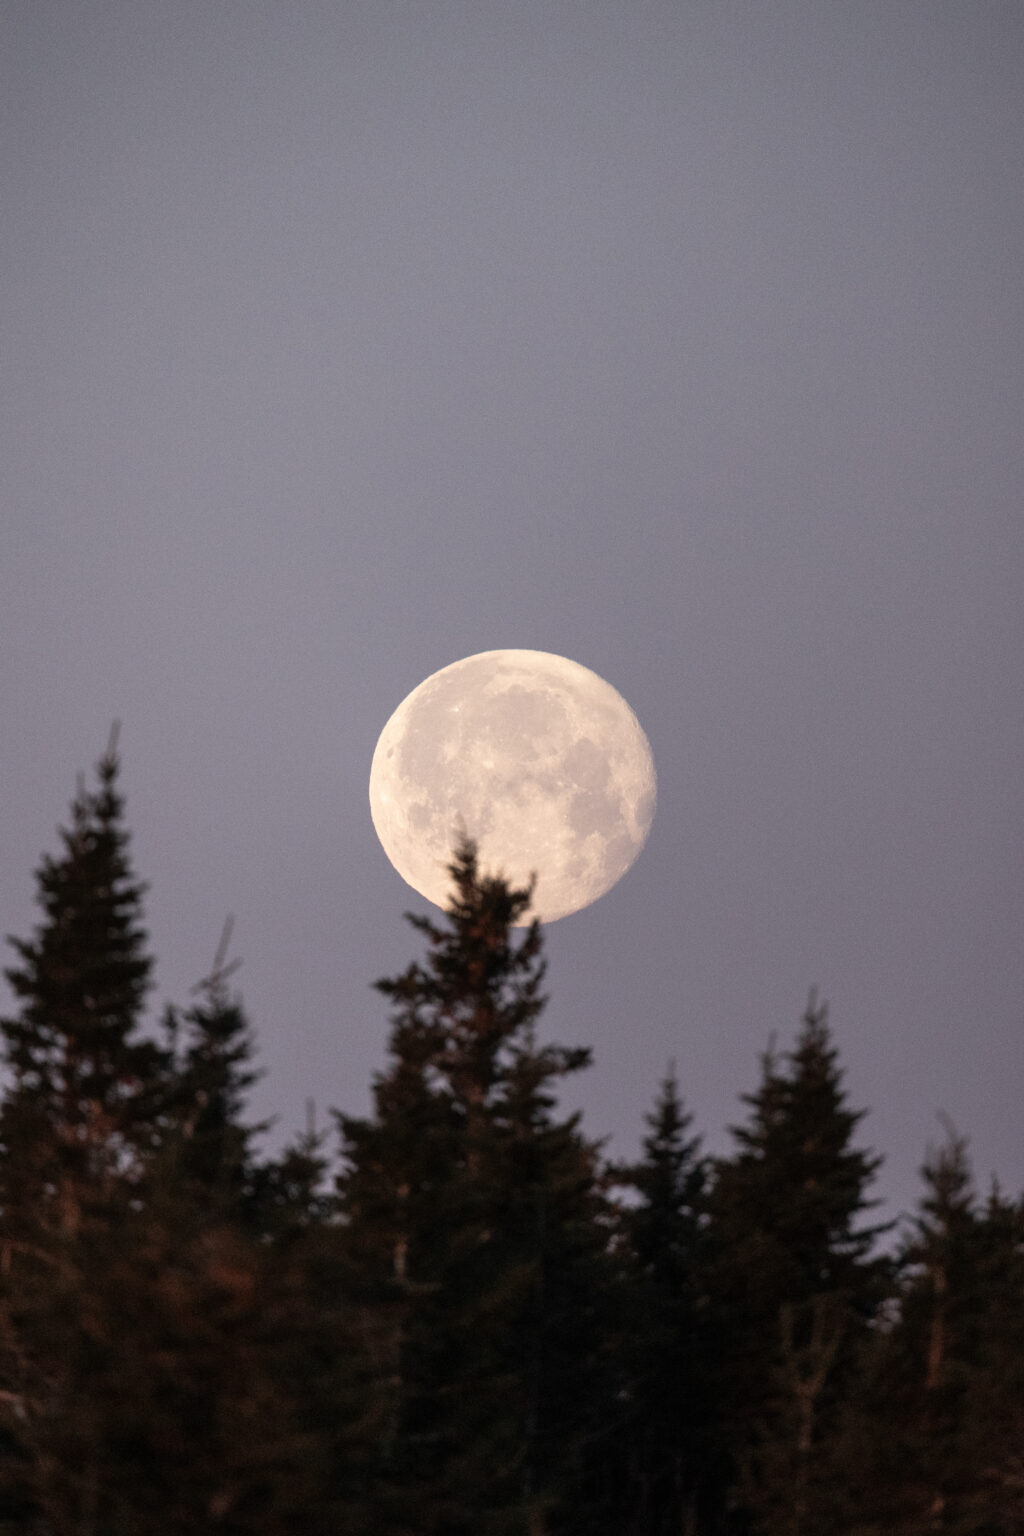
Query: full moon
[537, 760]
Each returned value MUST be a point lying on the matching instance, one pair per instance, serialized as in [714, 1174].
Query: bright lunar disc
[536, 759]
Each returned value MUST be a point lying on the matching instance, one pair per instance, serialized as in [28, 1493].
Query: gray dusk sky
[342, 339]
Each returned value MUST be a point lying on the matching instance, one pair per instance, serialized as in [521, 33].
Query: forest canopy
[455, 1314]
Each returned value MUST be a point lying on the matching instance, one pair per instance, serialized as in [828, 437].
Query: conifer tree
[147, 1337]
[993, 1436]
[219, 1307]
[476, 1235]
[794, 1282]
[672, 1457]
[81, 1078]
[933, 1439]
[73, 1125]
[207, 1146]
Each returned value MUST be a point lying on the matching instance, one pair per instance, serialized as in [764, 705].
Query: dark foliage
[475, 1221]
[468, 1324]
[672, 1470]
[793, 1285]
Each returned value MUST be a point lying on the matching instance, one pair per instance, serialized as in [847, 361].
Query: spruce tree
[795, 1284]
[993, 1434]
[81, 1080]
[207, 1148]
[933, 1437]
[150, 1339]
[672, 1455]
[217, 1425]
[475, 1229]
[74, 1127]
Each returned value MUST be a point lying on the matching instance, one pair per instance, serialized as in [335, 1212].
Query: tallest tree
[78, 1075]
[475, 1233]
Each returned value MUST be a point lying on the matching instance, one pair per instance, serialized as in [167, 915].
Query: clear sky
[685, 338]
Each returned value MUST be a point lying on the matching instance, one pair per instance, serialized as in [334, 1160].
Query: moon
[535, 758]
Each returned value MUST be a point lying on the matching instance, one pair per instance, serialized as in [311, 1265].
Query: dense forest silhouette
[455, 1317]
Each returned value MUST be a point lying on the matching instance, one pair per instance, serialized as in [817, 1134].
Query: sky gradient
[684, 338]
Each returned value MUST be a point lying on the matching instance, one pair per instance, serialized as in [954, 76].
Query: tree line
[455, 1316]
